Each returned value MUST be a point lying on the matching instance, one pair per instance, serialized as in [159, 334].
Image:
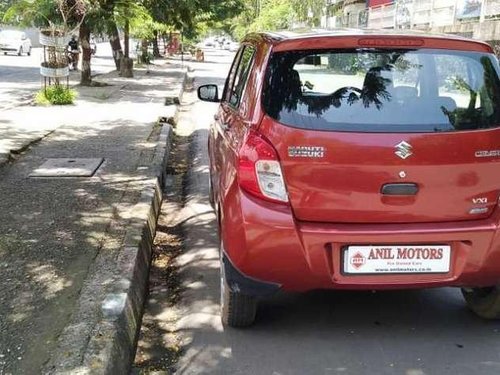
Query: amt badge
[358, 260]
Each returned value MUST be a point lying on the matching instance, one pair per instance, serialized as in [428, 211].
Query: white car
[209, 42]
[15, 41]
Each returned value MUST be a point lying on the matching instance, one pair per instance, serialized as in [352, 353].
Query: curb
[6, 157]
[176, 99]
[107, 346]
[112, 349]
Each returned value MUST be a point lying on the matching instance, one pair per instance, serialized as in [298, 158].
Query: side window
[230, 78]
[236, 90]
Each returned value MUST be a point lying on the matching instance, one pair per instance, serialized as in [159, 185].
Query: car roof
[294, 38]
[312, 33]
[12, 32]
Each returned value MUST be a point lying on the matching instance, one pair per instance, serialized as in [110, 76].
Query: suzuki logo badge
[403, 150]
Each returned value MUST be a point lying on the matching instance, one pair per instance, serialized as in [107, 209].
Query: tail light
[259, 170]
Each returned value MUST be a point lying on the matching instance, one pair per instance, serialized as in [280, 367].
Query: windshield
[10, 34]
[383, 90]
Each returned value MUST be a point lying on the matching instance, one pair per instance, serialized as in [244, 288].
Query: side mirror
[209, 93]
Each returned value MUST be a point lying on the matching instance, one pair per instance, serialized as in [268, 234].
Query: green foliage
[275, 15]
[272, 15]
[40, 13]
[55, 95]
[308, 11]
[45, 13]
[4, 5]
[144, 16]
[130, 10]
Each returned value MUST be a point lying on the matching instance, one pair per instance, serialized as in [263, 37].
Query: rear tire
[484, 302]
[237, 309]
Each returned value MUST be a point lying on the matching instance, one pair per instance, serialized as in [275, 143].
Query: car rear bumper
[263, 241]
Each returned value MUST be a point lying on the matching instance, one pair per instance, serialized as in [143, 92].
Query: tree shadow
[52, 229]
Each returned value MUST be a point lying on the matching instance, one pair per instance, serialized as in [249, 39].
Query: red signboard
[374, 3]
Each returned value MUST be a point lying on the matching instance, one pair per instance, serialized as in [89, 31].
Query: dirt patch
[159, 346]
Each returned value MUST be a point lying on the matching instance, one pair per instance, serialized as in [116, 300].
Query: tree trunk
[126, 38]
[86, 77]
[165, 42]
[126, 64]
[116, 46]
[127, 67]
[144, 51]
[156, 49]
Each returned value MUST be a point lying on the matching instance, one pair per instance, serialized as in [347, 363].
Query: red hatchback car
[357, 160]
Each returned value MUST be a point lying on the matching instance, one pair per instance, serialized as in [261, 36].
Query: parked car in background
[357, 160]
[15, 41]
[209, 42]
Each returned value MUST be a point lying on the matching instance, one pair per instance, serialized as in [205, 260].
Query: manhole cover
[67, 168]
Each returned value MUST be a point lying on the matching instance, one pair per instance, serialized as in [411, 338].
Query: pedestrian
[73, 53]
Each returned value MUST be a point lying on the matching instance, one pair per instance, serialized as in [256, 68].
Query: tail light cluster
[259, 170]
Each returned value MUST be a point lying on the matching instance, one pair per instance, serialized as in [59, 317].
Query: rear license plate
[397, 259]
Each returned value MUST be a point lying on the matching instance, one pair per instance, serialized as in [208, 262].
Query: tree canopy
[272, 15]
[147, 18]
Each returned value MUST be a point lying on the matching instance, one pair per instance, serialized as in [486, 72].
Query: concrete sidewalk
[74, 251]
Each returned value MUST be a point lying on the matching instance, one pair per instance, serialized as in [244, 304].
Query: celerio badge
[306, 151]
[403, 150]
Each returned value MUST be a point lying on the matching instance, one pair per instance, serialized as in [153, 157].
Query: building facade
[479, 19]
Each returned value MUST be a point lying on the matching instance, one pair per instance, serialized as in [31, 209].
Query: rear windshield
[383, 90]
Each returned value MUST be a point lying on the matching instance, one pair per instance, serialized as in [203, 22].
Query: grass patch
[55, 95]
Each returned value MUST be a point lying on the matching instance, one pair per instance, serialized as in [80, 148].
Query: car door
[229, 127]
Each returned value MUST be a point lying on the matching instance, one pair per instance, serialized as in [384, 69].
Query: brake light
[259, 170]
[390, 42]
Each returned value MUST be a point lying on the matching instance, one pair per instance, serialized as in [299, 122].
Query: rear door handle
[399, 189]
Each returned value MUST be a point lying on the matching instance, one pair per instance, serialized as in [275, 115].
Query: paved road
[20, 75]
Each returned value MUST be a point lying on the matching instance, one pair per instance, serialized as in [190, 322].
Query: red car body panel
[299, 244]
[343, 185]
[267, 243]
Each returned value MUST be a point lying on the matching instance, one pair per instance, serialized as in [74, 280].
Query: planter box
[54, 72]
[54, 41]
